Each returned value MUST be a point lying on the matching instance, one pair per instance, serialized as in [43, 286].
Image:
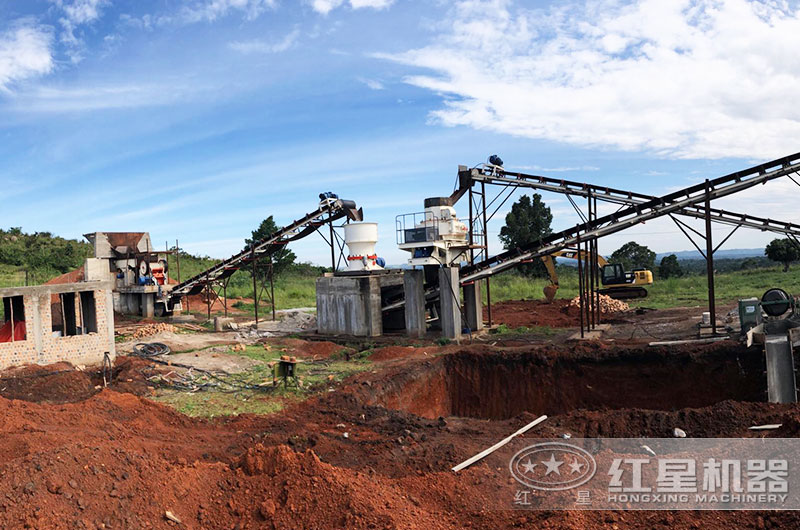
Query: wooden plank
[468, 462]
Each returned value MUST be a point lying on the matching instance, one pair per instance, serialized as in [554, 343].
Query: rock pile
[149, 330]
[607, 304]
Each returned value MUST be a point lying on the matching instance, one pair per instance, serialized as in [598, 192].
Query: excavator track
[625, 293]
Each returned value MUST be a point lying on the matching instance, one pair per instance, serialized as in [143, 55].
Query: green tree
[42, 252]
[527, 222]
[783, 251]
[670, 267]
[632, 255]
[281, 259]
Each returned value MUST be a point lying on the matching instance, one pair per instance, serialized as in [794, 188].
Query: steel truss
[216, 278]
[692, 198]
[587, 286]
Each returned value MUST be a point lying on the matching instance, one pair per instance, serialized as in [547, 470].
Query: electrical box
[749, 313]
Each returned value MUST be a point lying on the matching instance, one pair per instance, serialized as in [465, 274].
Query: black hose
[151, 349]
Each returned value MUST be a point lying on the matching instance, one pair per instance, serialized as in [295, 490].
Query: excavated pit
[498, 386]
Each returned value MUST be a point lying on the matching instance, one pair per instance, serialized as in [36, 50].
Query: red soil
[530, 313]
[307, 348]
[116, 460]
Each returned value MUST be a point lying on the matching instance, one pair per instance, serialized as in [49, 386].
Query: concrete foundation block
[349, 306]
[414, 289]
[449, 291]
[473, 306]
[148, 305]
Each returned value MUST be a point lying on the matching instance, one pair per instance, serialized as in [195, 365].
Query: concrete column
[449, 295]
[473, 308]
[373, 307]
[414, 288]
[110, 323]
[36, 329]
[148, 305]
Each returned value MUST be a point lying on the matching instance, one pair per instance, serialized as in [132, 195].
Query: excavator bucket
[550, 292]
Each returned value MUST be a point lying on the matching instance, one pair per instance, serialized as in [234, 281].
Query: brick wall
[41, 347]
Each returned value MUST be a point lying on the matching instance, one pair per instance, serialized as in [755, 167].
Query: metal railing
[417, 227]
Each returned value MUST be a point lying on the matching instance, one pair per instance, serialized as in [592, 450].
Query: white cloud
[82, 11]
[685, 78]
[326, 6]
[374, 4]
[54, 99]
[372, 84]
[260, 46]
[210, 10]
[77, 13]
[25, 52]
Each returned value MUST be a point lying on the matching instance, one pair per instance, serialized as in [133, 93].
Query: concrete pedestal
[473, 308]
[148, 305]
[450, 314]
[349, 306]
[414, 288]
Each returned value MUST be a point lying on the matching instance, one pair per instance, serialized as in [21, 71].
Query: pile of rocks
[607, 304]
[149, 330]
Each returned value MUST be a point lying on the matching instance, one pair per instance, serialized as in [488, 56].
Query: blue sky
[196, 119]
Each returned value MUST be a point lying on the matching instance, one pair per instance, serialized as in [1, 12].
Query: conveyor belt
[330, 210]
[674, 202]
[499, 176]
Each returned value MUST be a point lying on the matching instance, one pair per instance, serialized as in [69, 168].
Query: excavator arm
[551, 289]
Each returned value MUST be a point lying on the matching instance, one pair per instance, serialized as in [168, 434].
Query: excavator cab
[613, 274]
[617, 283]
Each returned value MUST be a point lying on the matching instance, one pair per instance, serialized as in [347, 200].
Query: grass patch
[214, 404]
[314, 377]
[503, 329]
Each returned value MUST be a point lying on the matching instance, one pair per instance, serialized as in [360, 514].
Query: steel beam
[630, 198]
[610, 224]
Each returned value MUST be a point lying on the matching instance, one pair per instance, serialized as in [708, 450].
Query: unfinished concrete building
[44, 324]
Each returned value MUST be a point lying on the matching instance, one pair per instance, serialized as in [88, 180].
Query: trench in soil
[500, 386]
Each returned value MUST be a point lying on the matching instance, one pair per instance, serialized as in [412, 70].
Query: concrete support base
[473, 308]
[148, 306]
[450, 314]
[414, 288]
[349, 306]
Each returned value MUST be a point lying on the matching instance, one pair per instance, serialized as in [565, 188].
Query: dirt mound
[297, 490]
[55, 383]
[308, 348]
[389, 353]
[130, 375]
[530, 313]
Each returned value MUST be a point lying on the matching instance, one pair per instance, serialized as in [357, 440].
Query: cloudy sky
[195, 119]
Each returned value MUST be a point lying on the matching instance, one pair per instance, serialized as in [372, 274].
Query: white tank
[361, 239]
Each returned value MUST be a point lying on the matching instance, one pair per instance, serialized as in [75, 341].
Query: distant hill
[42, 254]
[734, 253]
